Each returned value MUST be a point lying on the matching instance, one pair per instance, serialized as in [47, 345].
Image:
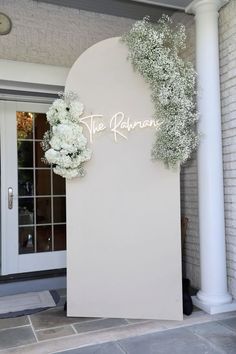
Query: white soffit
[174, 4]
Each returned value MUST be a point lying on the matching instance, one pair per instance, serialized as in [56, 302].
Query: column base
[214, 309]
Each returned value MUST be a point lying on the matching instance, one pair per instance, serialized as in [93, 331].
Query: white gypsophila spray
[64, 144]
[154, 51]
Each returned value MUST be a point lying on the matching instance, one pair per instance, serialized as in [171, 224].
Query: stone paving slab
[177, 341]
[210, 338]
[218, 335]
[55, 317]
[64, 343]
[13, 322]
[14, 337]
[56, 332]
[108, 348]
[99, 324]
[230, 323]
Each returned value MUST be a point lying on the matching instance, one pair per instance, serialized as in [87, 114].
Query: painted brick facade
[227, 29]
[189, 190]
[49, 34]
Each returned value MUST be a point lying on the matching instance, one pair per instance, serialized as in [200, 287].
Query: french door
[33, 198]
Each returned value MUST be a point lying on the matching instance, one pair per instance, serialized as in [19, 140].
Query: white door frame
[12, 261]
[19, 78]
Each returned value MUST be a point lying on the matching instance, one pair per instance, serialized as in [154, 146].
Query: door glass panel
[25, 154]
[59, 210]
[26, 182]
[26, 211]
[58, 185]
[41, 193]
[44, 238]
[60, 237]
[26, 239]
[43, 211]
[43, 182]
[40, 125]
[39, 155]
[24, 125]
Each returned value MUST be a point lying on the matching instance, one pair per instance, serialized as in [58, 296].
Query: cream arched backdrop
[123, 217]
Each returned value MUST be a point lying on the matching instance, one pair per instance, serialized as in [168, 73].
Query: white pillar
[213, 296]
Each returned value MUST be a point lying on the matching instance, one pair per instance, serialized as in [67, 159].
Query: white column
[213, 296]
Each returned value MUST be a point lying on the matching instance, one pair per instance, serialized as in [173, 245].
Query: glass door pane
[41, 193]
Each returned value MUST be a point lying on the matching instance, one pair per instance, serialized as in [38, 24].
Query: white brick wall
[227, 29]
[189, 191]
[49, 34]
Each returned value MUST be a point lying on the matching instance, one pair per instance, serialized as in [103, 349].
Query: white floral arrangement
[64, 144]
[155, 52]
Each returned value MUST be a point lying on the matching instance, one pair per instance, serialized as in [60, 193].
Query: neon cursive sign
[119, 125]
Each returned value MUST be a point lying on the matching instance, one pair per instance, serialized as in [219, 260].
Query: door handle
[10, 198]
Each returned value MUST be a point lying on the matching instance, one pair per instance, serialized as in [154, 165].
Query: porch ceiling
[175, 4]
[124, 8]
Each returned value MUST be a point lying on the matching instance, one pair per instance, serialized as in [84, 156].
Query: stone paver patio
[51, 331]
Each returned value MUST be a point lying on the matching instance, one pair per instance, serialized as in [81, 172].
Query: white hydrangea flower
[52, 155]
[65, 144]
[55, 142]
[76, 109]
[57, 112]
[66, 173]
[59, 105]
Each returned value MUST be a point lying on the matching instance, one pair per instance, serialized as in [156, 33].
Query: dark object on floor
[187, 300]
[65, 306]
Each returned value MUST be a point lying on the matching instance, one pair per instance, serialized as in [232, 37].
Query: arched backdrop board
[123, 217]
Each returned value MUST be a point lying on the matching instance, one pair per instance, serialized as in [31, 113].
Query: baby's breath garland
[154, 51]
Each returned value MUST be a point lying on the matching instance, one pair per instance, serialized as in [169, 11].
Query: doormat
[27, 303]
